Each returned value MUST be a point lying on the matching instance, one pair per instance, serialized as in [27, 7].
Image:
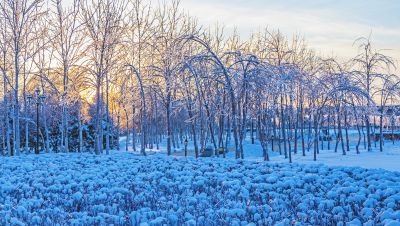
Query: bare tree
[4, 66]
[20, 16]
[139, 35]
[103, 22]
[66, 38]
[367, 65]
[171, 25]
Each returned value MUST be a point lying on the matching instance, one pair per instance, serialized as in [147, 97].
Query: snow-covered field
[125, 189]
[389, 159]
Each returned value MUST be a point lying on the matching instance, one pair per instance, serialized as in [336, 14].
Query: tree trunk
[107, 118]
[315, 137]
[303, 148]
[81, 131]
[118, 130]
[127, 130]
[46, 129]
[283, 119]
[252, 131]
[169, 132]
[346, 123]
[6, 115]
[381, 131]
[368, 133]
[98, 138]
[16, 100]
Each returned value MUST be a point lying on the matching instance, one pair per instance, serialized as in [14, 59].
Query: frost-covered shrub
[124, 189]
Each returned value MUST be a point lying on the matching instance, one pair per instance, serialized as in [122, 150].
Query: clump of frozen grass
[123, 189]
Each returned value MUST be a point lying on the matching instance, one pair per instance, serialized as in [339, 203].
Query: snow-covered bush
[124, 189]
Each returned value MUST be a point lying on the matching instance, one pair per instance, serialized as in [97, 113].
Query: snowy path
[125, 189]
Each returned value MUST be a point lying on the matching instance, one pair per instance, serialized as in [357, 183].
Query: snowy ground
[125, 189]
[389, 159]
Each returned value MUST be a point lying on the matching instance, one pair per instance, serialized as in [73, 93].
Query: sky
[329, 26]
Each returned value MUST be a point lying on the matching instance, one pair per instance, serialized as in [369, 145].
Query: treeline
[106, 68]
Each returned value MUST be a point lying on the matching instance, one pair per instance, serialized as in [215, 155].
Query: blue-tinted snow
[125, 189]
